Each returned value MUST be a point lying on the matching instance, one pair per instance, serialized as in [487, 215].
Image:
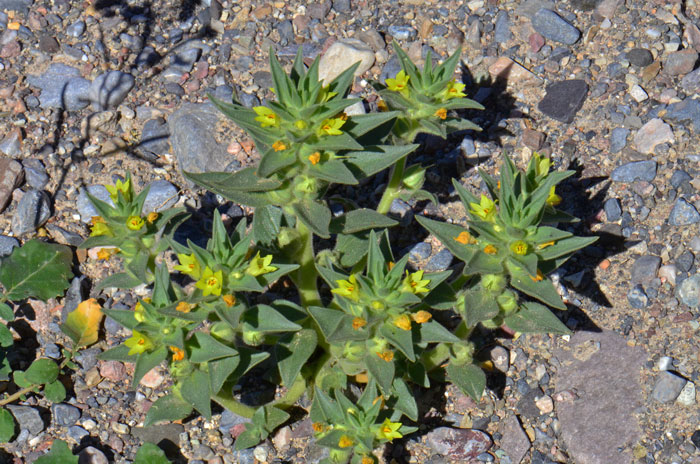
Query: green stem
[306, 276]
[293, 394]
[32, 388]
[234, 406]
[393, 187]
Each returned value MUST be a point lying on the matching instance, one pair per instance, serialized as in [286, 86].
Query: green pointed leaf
[5, 336]
[206, 348]
[376, 158]
[196, 390]
[564, 247]
[400, 339]
[469, 378]
[459, 124]
[351, 248]
[150, 454]
[336, 143]
[123, 317]
[118, 353]
[59, 454]
[42, 371]
[292, 352]
[479, 305]
[266, 224]
[482, 263]
[381, 371]
[145, 362]
[333, 171]
[249, 438]
[434, 332]
[264, 318]
[55, 392]
[244, 180]
[448, 234]
[7, 426]
[361, 124]
[315, 215]
[359, 220]
[324, 409]
[167, 408]
[219, 183]
[120, 280]
[405, 400]
[220, 370]
[543, 290]
[37, 270]
[535, 318]
[6, 312]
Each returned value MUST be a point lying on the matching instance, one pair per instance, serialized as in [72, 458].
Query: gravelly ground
[606, 87]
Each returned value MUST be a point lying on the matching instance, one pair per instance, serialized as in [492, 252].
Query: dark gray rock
[640, 57]
[612, 208]
[286, 31]
[7, 244]
[33, 210]
[563, 99]
[440, 261]
[108, 90]
[64, 415]
[229, 419]
[76, 29]
[319, 10]
[391, 68]
[603, 412]
[502, 32]
[147, 58]
[644, 269]
[637, 297]
[686, 110]
[679, 178]
[77, 433]
[77, 292]
[681, 62]
[248, 100]
[668, 386]
[683, 214]
[342, 6]
[420, 251]
[11, 145]
[61, 87]
[35, 173]
[618, 139]
[685, 261]
[183, 61]
[64, 236]
[585, 5]
[11, 176]
[161, 196]
[92, 455]
[27, 418]
[695, 438]
[636, 170]
[402, 32]
[515, 441]
[154, 137]
[16, 5]
[553, 27]
[85, 208]
[691, 82]
[458, 444]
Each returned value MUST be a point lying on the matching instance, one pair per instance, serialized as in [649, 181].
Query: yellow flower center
[211, 281]
[441, 113]
[358, 323]
[387, 355]
[490, 250]
[345, 442]
[279, 146]
[519, 247]
[314, 158]
[318, 427]
[184, 307]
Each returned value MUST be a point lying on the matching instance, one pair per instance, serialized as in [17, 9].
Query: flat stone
[686, 110]
[33, 210]
[680, 63]
[154, 137]
[689, 291]
[683, 213]
[92, 455]
[76, 29]
[420, 251]
[638, 93]
[161, 196]
[84, 206]
[61, 87]
[515, 442]
[7, 244]
[502, 33]
[64, 415]
[618, 139]
[640, 57]
[27, 418]
[11, 175]
[402, 32]
[11, 145]
[637, 297]
[667, 387]
[554, 27]
[35, 173]
[507, 71]
[528, 8]
[691, 82]
[440, 261]
[16, 5]
[108, 90]
[607, 8]
[458, 444]
[603, 412]
[563, 99]
[687, 396]
[612, 208]
[644, 269]
[651, 134]
[343, 54]
[157, 433]
[636, 170]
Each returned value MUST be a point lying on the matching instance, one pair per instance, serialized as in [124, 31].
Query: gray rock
[612, 208]
[680, 62]
[390, 70]
[636, 170]
[157, 433]
[77, 433]
[691, 82]
[28, 418]
[679, 178]
[35, 173]
[637, 297]
[603, 412]
[342, 54]
[640, 57]
[76, 293]
[228, 420]
[76, 29]
[341, 6]
[147, 58]
[161, 196]
[528, 8]
[33, 210]
[420, 251]
[502, 32]
[400, 208]
[244, 456]
[458, 444]
[515, 442]
[183, 61]
[11, 175]
[16, 5]
[644, 269]
[668, 386]
[618, 139]
[685, 261]
[402, 32]
[11, 145]
[654, 132]
[553, 27]
[92, 455]
[686, 110]
[64, 415]
[683, 214]
[286, 31]
[154, 137]
[61, 87]
[689, 291]
[319, 10]
[563, 99]
[7, 244]
[440, 261]
[85, 208]
[194, 147]
[108, 90]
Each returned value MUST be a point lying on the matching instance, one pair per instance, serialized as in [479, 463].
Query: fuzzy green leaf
[220, 370]
[469, 378]
[166, 409]
[264, 318]
[359, 220]
[118, 353]
[145, 362]
[59, 454]
[565, 246]
[206, 348]
[381, 371]
[479, 305]
[483, 263]
[324, 409]
[434, 332]
[400, 339]
[543, 290]
[120, 280]
[7, 426]
[55, 392]
[219, 182]
[315, 215]
[122, 316]
[405, 400]
[448, 234]
[196, 390]
[42, 371]
[37, 270]
[351, 248]
[6, 312]
[150, 454]
[333, 171]
[373, 159]
[5, 336]
[292, 352]
[361, 124]
[535, 318]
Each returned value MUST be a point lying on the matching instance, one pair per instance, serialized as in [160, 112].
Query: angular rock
[686, 110]
[161, 196]
[644, 269]
[603, 412]
[683, 214]
[16, 5]
[668, 386]
[687, 396]
[7, 244]
[33, 210]
[528, 8]
[689, 291]
[27, 418]
[563, 99]
[618, 139]
[92, 455]
[342, 54]
[651, 134]
[154, 137]
[691, 82]
[11, 175]
[11, 145]
[637, 297]
[64, 415]
[680, 63]
[502, 32]
[440, 261]
[640, 57]
[62, 87]
[636, 170]
[402, 32]
[554, 27]
[420, 251]
[607, 8]
[612, 208]
[84, 206]
[515, 442]
[35, 173]
[108, 90]
[458, 444]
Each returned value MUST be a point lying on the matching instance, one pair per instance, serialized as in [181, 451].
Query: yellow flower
[178, 354]
[553, 199]
[325, 94]
[422, 316]
[485, 209]
[134, 223]
[331, 126]
[389, 430]
[367, 460]
[403, 322]
[106, 253]
[490, 250]
[188, 265]
[399, 83]
[348, 288]
[345, 442]
[544, 245]
[230, 300]
[184, 307]
[454, 90]
[266, 117]
[519, 247]
[99, 227]
[415, 283]
[381, 106]
[358, 323]
[314, 158]
[539, 277]
[390, 265]
[279, 146]
[386, 355]
[318, 427]
[464, 238]
[123, 187]
[152, 216]
[542, 165]
[210, 283]
[138, 343]
[441, 113]
[260, 265]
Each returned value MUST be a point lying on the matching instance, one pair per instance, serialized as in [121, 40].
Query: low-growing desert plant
[359, 315]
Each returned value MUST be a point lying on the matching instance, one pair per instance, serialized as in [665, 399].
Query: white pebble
[668, 273]
[664, 363]
[638, 93]
[606, 24]
[687, 395]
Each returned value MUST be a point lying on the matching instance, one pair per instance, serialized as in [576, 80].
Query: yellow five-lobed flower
[188, 265]
[138, 343]
[399, 83]
[331, 126]
[389, 430]
[99, 227]
[123, 187]
[210, 282]
[260, 265]
[415, 283]
[135, 222]
[485, 209]
[348, 288]
[266, 117]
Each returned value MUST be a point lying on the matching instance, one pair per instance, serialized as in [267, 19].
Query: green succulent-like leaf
[59, 454]
[400, 339]
[292, 352]
[324, 409]
[351, 248]
[123, 317]
[405, 400]
[434, 332]
[220, 371]
[149, 453]
[483, 263]
[543, 290]
[37, 270]
[120, 280]
[469, 378]
[315, 215]
[42, 371]
[7, 425]
[5, 336]
[118, 353]
[535, 318]
[264, 318]
[6, 312]
[167, 408]
[565, 246]
[333, 171]
[220, 183]
[369, 161]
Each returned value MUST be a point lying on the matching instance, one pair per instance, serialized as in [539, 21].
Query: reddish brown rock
[533, 139]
